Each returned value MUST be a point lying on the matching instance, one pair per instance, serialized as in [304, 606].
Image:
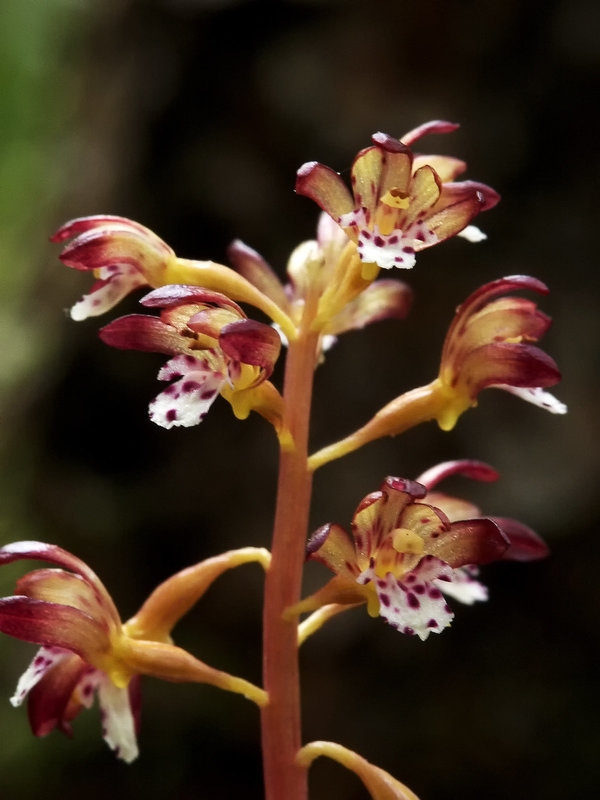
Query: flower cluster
[410, 548]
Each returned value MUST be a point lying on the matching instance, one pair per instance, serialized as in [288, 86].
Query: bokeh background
[192, 116]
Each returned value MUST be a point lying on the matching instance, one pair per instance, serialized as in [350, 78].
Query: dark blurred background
[192, 116]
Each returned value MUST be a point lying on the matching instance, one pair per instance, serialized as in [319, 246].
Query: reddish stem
[281, 735]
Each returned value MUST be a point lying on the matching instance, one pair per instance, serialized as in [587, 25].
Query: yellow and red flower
[490, 343]
[123, 255]
[216, 349]
[86, 649]
[405, 553]
[400, 203]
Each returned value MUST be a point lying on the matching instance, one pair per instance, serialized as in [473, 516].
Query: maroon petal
[485, 293]
[142, 332]
[104, 248]
[477, 470]
[456, 191]
[512, 364]
[82, 224]
[251, 342]
[49, 700]
[390, 144]
[413, 488]
[53, 625]
[525, 544]
[178, 295]
[475, 541]
[40, 551]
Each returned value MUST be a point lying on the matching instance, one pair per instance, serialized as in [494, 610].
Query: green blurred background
[192, 116]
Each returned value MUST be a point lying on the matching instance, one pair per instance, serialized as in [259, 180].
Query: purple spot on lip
[434, 593]
[398, 259]
[366, 234]
[413, 600]
[408, 249]
[432, 624]
[171, 415]
[393, 240]
[190, 386]
[378, 241]
[385, 600]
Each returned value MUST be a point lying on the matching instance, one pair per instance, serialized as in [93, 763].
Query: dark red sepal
[468, 468]
[49, 700]
[471, 541]
[142, 332]
[389, 143]
[525, 544]
[179, 295]
[251, 342]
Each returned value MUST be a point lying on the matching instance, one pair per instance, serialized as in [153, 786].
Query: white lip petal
[537, 396]
[44, 659]
[105, 296]
[472, 234]
[463, 587]
[118, 726]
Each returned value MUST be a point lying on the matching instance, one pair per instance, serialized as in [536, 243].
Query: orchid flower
[85, 648]
[400, 203]
[216, 350]
[405, 554]
[490, 344]
[123, 255]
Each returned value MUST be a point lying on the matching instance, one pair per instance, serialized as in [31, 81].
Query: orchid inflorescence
[411, 552]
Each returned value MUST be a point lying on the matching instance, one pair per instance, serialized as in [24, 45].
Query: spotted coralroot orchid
[86, 649]
[324, 268]
[122, 254]
[400, 203]
[490, 343]
[216, 349]
[405, 554]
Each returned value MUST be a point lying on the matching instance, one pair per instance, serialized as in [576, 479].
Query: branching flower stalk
[410, 548]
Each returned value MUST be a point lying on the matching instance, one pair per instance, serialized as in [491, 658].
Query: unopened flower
[85, 648]
[216, 349]
[400, 203]
[490, 343]
[405, 554]
[122, 254]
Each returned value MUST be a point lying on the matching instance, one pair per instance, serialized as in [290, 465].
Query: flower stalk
[281, 734]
